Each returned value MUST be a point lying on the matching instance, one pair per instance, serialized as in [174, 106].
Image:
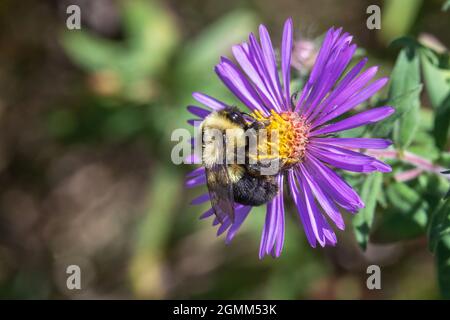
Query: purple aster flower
[317, 191]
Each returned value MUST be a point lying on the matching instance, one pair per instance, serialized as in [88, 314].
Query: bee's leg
[267, 167]
[253, 168]
[257, 125]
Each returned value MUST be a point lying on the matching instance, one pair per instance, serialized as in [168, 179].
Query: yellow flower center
[286, 138]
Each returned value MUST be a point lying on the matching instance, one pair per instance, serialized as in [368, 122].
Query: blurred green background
[85, 170]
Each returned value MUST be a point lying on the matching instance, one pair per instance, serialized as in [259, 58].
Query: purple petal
[194, 122]
[217, 222]
[257, 57]
[317, 68]
[241, 213]
[357, 143]
[286, 51]
[335, 65]
[302, 211]
[238, 84]
[240, 217]
[311, 210]
[279, 237]
[201, 199]
[274, 225]
[271, 66]
[360, 119]
[324, 59]
[353, 101]
[207, 214]
[324, 234]
[223, 226]
[197, 181]
[246, 60]
[348, 160]
[192, 159]
[196, 172]
[339, 93]
[279, 242]
[333, 185]
[209, 101]
[328, 206]
[199, 112]
[346, 89]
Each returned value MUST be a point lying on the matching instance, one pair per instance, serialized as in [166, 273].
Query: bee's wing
[220, 192]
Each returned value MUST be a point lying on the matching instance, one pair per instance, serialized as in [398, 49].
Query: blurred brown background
[85, 171]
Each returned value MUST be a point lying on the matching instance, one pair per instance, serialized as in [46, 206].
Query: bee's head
[234, 115]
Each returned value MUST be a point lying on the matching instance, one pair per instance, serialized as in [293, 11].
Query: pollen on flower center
[287, 137]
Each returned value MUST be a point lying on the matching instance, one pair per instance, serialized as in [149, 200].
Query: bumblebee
[229, 180]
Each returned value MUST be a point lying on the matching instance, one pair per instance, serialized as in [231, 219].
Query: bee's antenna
[248, 117]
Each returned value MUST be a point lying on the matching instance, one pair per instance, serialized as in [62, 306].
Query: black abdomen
[254, 191]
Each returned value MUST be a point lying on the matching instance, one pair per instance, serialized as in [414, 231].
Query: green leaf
[436, 78]
[442, 124]
[405, 78]
[384, 128]
[439, 243]
[444, 159]
[409, 202]
[91, 52]
[150, 38]
[440, 224]
[398, 17]
[432, 188]
[405, 42]
[421, 145]
[443, 265]
[362, 222]
[437, 82]
[152, 35]
[405, 217]
[446, 5]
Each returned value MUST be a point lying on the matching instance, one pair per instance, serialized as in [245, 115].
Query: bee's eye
[235, 117]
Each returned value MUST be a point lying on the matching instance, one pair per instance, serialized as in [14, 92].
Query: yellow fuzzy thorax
[286, 138]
